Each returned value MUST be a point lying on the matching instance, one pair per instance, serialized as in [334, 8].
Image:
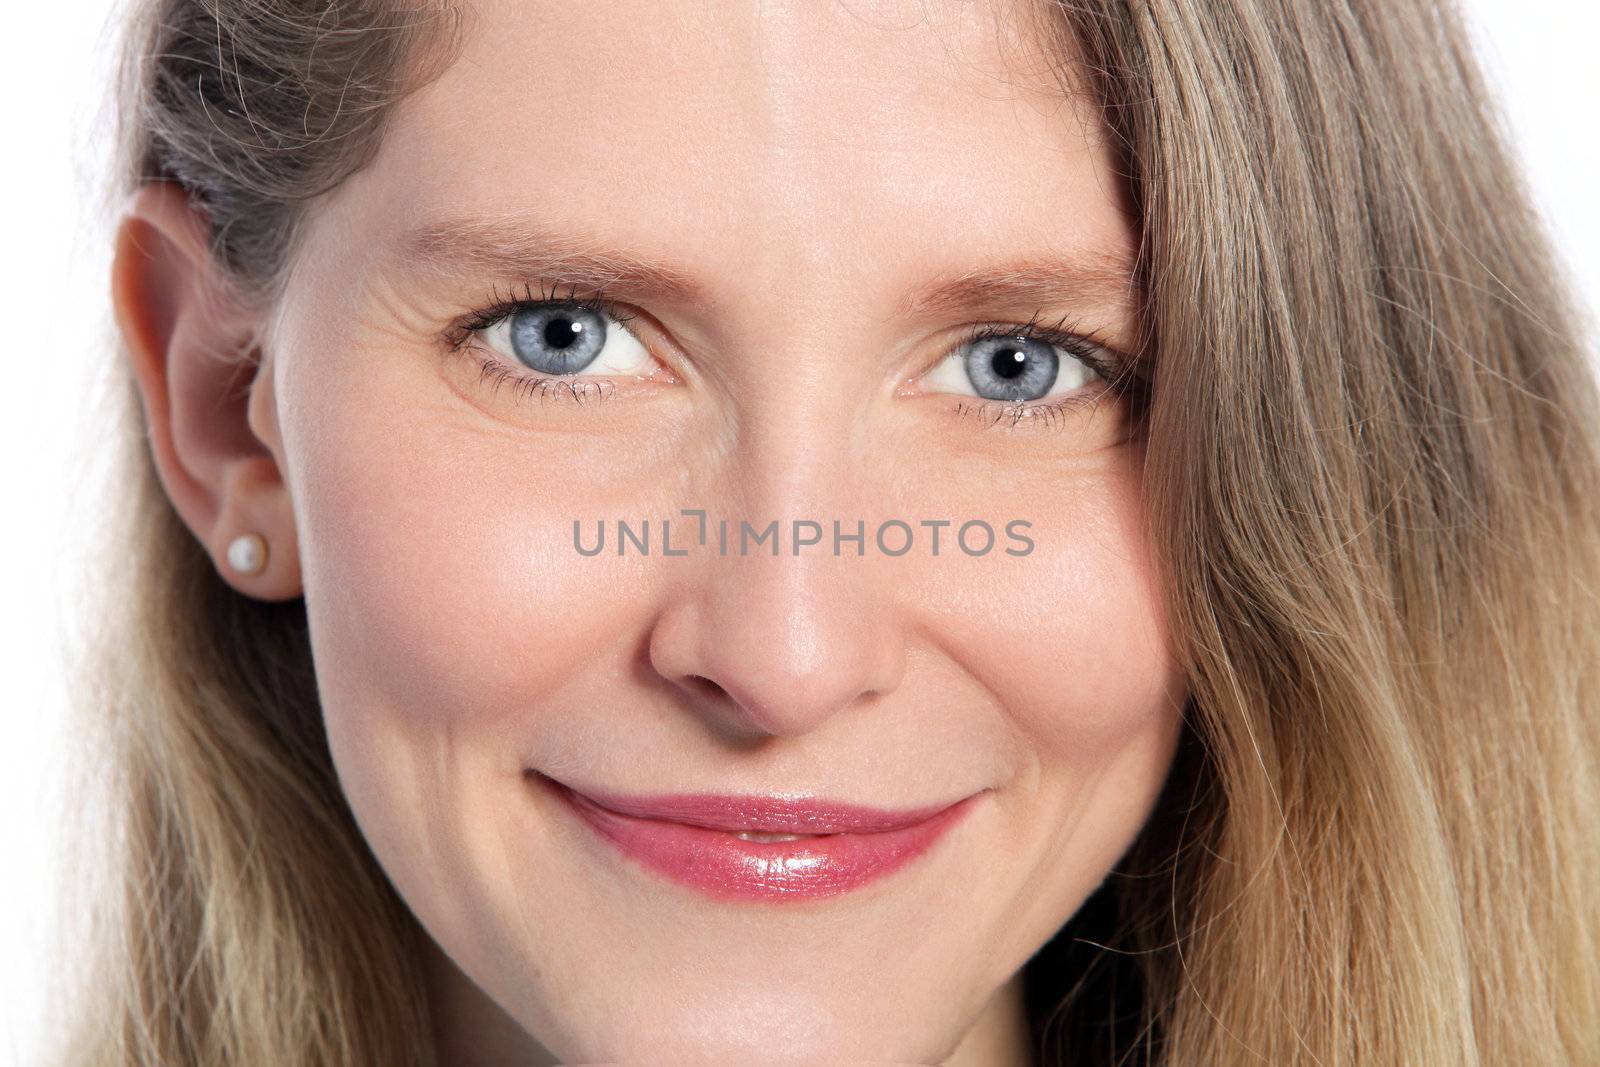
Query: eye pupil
[562, 332]
[1009, 363]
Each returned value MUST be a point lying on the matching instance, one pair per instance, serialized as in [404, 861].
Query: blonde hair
[1373, 468]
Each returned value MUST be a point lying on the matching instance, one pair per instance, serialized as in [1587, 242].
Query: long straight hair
[1372, 481]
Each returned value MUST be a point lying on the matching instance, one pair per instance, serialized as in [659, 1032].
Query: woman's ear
[206, 392]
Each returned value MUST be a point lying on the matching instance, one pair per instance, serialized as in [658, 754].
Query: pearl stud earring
[247, 553]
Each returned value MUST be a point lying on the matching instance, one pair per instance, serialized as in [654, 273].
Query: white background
[1539, 53]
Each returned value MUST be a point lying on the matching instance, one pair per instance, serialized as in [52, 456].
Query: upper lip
[760, 814]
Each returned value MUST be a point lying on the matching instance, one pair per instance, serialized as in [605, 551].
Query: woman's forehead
[773, 141]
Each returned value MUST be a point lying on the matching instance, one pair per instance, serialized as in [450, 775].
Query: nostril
[706, 686]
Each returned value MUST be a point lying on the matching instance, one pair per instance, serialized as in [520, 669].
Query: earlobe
[194, 353]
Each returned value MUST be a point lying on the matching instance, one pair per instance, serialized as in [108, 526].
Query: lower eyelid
[492, 363]
[1039, 415]
[495, 373]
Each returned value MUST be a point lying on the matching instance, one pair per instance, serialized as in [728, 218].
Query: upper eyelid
[496, 309]
[1072, 338]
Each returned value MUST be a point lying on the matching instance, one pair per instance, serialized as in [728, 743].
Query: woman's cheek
[448, 609]
[1068, 640]
[437, 551]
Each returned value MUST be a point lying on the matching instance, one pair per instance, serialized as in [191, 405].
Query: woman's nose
[778, 645]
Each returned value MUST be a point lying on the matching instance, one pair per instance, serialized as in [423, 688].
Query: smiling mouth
[759, 848]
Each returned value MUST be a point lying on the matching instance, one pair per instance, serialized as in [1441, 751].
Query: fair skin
[810, 173]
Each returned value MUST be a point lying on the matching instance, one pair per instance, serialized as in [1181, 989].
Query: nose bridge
[784, 626]
[804, 369]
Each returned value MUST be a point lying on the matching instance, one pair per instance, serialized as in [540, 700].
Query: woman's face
[800, 215]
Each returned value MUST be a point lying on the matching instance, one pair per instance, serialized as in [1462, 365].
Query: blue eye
[574, 344]
[1013, 368]
[1003, 368]
[562, 338]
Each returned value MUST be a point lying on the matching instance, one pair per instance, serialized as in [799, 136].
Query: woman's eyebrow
[516, 248]
[480, 249]
[1097, 278]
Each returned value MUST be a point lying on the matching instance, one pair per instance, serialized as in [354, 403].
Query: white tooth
[744, 835]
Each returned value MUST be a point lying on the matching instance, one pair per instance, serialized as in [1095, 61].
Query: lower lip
[726, 867]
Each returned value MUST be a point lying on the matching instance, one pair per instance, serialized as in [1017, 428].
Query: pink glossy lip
[690, 838]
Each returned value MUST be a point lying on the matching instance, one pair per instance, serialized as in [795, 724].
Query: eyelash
[1076, 342]
[1081, 345]
[496, 372]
